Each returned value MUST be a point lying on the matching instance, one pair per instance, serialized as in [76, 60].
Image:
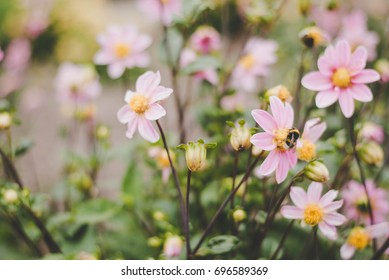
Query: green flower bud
[240, 138]
[10, 196]
[316, 171]
[196, 154]
[5, 120]
[279, 91]
[239, 215]
[371, 153]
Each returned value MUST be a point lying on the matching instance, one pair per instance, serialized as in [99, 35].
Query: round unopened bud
[154, 242]
[256, 151]
[316, 171]
[102, 132]
[371, 153]
[382, 66]
[81, 180]
[240, 138]
[172, 246]
[159, 216]
[313, 36]
[10, 196]
[5, 120]
[196, 155]
[280, 91]
[239, 215]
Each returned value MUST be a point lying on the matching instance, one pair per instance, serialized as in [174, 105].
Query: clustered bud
[240, 137]
[196, 154]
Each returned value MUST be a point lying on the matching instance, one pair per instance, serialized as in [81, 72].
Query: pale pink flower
[210, 75]
[17, 55]
[315, 210]
[77, 84]
[276, 129]
[306, 147]
[360, 237]
[162, 159]
[164, 10]
[355, 31]
[172, 246]
[239, 101]
[342, 77]
[355, 202]
[258, 55]
[143, 106]
[325, 19]
[372, 132]
[122, 47]
[205, 40]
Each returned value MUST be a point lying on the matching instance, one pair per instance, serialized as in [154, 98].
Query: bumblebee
[291, 138]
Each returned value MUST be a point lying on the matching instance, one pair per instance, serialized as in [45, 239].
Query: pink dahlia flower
[306, 147]
[342, 77]
[360, 237]
[258, 55]
[17, 55]
[143, 106]
[76, 83]
[276, 129]
[314, 209]
[164, 10]
[205, 40]
[121, 48]
[355, 31]
[372, 132]
[355, 202]
[325, 19]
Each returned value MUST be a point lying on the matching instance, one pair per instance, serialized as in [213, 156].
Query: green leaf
[230, 124]
[95, 211]
[222, 244]
[23, 147]
[200, 64]
[171, 46]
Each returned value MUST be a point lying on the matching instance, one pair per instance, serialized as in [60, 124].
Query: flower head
[205, 40]
[306, 147]
[281, 92]
[240, 137]
[196, 154]
[360, 237]
[165, 10]
[5, 120]
[342, 77]
[161, 156]
[356, 203]
[372, 132]
[382, 66]
[172, 246]
[143, 106]
[314, 209]
[277, 128]
[122, 47]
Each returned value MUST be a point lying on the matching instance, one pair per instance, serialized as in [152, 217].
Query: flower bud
[256, 151]
[81, 180]
[382, 66]
[159, 216]
[371, 153]
[102, 132]
[10, 196]
[304, 6]
[5, 120]
[313, 36]
[172, 246]
[239, 215]
[316, 171]
[279, 91]
[196, 154]
[240, 138]
[154, 242]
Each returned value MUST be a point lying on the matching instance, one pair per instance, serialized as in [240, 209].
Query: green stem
[283, 239]
[187, 232]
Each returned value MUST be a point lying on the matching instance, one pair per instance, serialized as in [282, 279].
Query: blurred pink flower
[164, 10]
[17, 55]
[355, 202]
[373, 132]
[355, 31]
[314, 209]
[172, 246]
[342, 77]
[360, 237]
[325, 19]
[143, 106]
[276, 129]
[258, 55]
[205, 40]
[77, 84]
[122, 47]
[160, 155]
[306, 147]
[1, 54]
[210, 75]
[239, 101]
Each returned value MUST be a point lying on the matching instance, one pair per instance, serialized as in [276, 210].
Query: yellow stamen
[139, 103]
[307, 152]
[280, 136]
[247, 61]
[358, 238]
[341, 78]
[122, 50]
[313, 214]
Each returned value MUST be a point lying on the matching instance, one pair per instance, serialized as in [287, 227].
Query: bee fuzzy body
[291, 139]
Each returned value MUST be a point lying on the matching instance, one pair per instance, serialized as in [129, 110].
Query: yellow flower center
[283, 94]
[307, 152]
[247, 61]
[163, 159]
[164, 2]
[341, 78]
[280, 136]
[139, 103]
[358, 238]
[313, 214]
[122, 50]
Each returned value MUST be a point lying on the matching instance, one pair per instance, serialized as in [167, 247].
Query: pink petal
[316, 81]
[102, 58]
[333, 206]
[313, 129]
[289, 115]
[147, 131]
[298, 196]
[366, 76]
[325, 65]
[343, 53]
[328, 198]
[124, 114]
[292, 157]
[334, 219]
[142, 42]
[361, 93]
[269, 164]
[264, 141]
[328, 231]
[292, 212]
[115, 70]
[155, 112]
[282, 169]
[147, 82]
[346, 103]
[279, 112]
[160, 93]
[357, 60]
[378, 230]
[265, 120]
[128, 96]
[326, 98]
[314, 192]
[132, 125]
[347, 251]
